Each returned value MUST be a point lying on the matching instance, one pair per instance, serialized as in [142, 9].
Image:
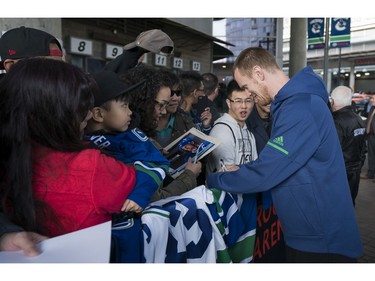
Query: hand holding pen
[228, 168]
[222, 166]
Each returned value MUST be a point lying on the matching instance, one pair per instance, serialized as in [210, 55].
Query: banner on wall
[315, 31]
[340, 33]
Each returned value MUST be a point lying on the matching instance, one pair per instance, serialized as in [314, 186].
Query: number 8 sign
[80, 46]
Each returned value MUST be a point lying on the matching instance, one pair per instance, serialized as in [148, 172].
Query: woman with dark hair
[50, 182]
[150, 100]
[175, 122]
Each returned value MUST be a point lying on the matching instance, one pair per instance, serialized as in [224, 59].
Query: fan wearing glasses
[237, 146]
[237, 142]
[193, 89]
[150, 102]
[151, 99]
[174, 123]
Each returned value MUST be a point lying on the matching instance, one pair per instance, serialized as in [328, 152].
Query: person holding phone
[211, 91]
[193, 90]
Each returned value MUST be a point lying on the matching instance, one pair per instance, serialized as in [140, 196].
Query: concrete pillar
[50, 25]
[352, 77]
[298, 45]
[279, 41]
[329, 80]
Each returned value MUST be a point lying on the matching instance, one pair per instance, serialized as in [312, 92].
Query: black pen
[223, 168]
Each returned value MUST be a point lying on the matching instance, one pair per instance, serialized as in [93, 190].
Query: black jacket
[351, 130]
[260, 128]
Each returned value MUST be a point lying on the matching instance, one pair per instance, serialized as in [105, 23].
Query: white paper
[89, 245]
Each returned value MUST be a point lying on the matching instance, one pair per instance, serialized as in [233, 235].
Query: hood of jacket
[306, 81]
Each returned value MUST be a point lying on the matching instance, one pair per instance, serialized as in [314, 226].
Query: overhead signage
[315, 31]
[340, 32]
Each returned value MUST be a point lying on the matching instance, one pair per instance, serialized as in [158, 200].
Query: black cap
[26, 42]
[110, 86]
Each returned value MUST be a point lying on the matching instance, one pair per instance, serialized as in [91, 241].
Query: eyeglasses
[161, 105]
[247, 101]
[177, 93]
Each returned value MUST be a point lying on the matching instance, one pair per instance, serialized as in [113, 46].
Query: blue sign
[315, 31]
[340, 32]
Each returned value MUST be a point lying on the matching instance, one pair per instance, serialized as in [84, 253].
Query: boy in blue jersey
[302, 163]
[108, 130]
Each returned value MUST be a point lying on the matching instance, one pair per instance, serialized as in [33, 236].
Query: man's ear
[228, 103]
[98, 114]
[258, 73]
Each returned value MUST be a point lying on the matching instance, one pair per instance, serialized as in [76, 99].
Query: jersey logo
[279, 141]
[139, 134]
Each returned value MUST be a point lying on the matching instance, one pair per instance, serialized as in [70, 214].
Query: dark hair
[231, 87]
[142, 99]
[171, 78]
[190, 80]
[210, 82]
[43, 102]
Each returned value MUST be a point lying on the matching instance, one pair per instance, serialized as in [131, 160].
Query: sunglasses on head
[177, 93]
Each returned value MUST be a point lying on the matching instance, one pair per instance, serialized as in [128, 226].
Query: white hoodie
[237, 145]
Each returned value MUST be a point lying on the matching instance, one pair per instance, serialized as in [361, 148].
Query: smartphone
[202, 104]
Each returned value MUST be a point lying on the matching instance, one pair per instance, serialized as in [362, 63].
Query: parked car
[360, 100]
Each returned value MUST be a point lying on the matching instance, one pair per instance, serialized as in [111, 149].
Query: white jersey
[202, 225]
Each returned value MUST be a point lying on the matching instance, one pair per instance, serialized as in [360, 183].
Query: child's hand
[131, 206]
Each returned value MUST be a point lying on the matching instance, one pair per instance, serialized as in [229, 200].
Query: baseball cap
[110, 86]
[154, 40]
[26, 42]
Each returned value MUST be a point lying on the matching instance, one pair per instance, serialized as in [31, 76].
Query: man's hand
[232, 168]
[25, 241]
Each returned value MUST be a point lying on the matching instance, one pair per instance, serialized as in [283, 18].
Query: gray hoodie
[237, 145]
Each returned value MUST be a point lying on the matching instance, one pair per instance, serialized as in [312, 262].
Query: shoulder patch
[277, 143]
[279, 140]
[139, 134]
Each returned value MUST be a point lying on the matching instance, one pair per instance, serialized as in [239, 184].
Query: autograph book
[193, 144]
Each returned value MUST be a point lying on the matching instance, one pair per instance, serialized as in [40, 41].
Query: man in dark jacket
[351, 130]
[259, 123]
[302, 163]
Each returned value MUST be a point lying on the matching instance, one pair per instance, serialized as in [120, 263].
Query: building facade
[90, 43]
[352, 66]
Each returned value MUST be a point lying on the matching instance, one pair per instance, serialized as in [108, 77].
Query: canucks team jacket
[134, 147]
[302, 164]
